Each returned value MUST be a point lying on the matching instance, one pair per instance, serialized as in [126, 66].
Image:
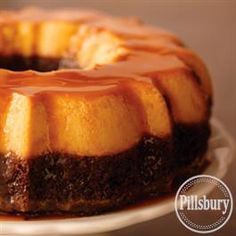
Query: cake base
[59, 183]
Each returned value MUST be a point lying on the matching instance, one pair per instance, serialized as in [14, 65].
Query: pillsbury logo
[215, 212]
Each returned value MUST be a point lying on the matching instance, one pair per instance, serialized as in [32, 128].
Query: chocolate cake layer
[56, 182]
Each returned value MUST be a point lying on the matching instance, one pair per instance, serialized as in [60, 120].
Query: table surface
[208, 26]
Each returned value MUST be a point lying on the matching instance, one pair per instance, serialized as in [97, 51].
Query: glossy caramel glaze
[145, 73]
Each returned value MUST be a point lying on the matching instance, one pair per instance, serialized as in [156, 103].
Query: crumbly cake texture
[96, 112]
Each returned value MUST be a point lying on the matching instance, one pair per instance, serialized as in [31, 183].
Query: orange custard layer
[134, 80]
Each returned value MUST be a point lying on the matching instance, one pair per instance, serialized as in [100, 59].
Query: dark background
[209, 27]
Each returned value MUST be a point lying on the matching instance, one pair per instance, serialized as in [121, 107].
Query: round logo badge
[203, 214]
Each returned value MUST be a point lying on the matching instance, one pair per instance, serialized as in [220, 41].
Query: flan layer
[39, 108]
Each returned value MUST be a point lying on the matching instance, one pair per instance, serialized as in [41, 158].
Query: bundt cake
[96, 112]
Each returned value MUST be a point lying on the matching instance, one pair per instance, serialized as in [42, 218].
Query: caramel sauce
[136, 67]
[5, 217]
[135, 206]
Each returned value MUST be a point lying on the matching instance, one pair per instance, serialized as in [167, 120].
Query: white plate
[221, 152]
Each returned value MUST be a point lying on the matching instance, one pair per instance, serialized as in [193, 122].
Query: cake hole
[40, 64]
[85, 50]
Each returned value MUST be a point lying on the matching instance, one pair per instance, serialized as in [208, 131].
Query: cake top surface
[139, 49]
